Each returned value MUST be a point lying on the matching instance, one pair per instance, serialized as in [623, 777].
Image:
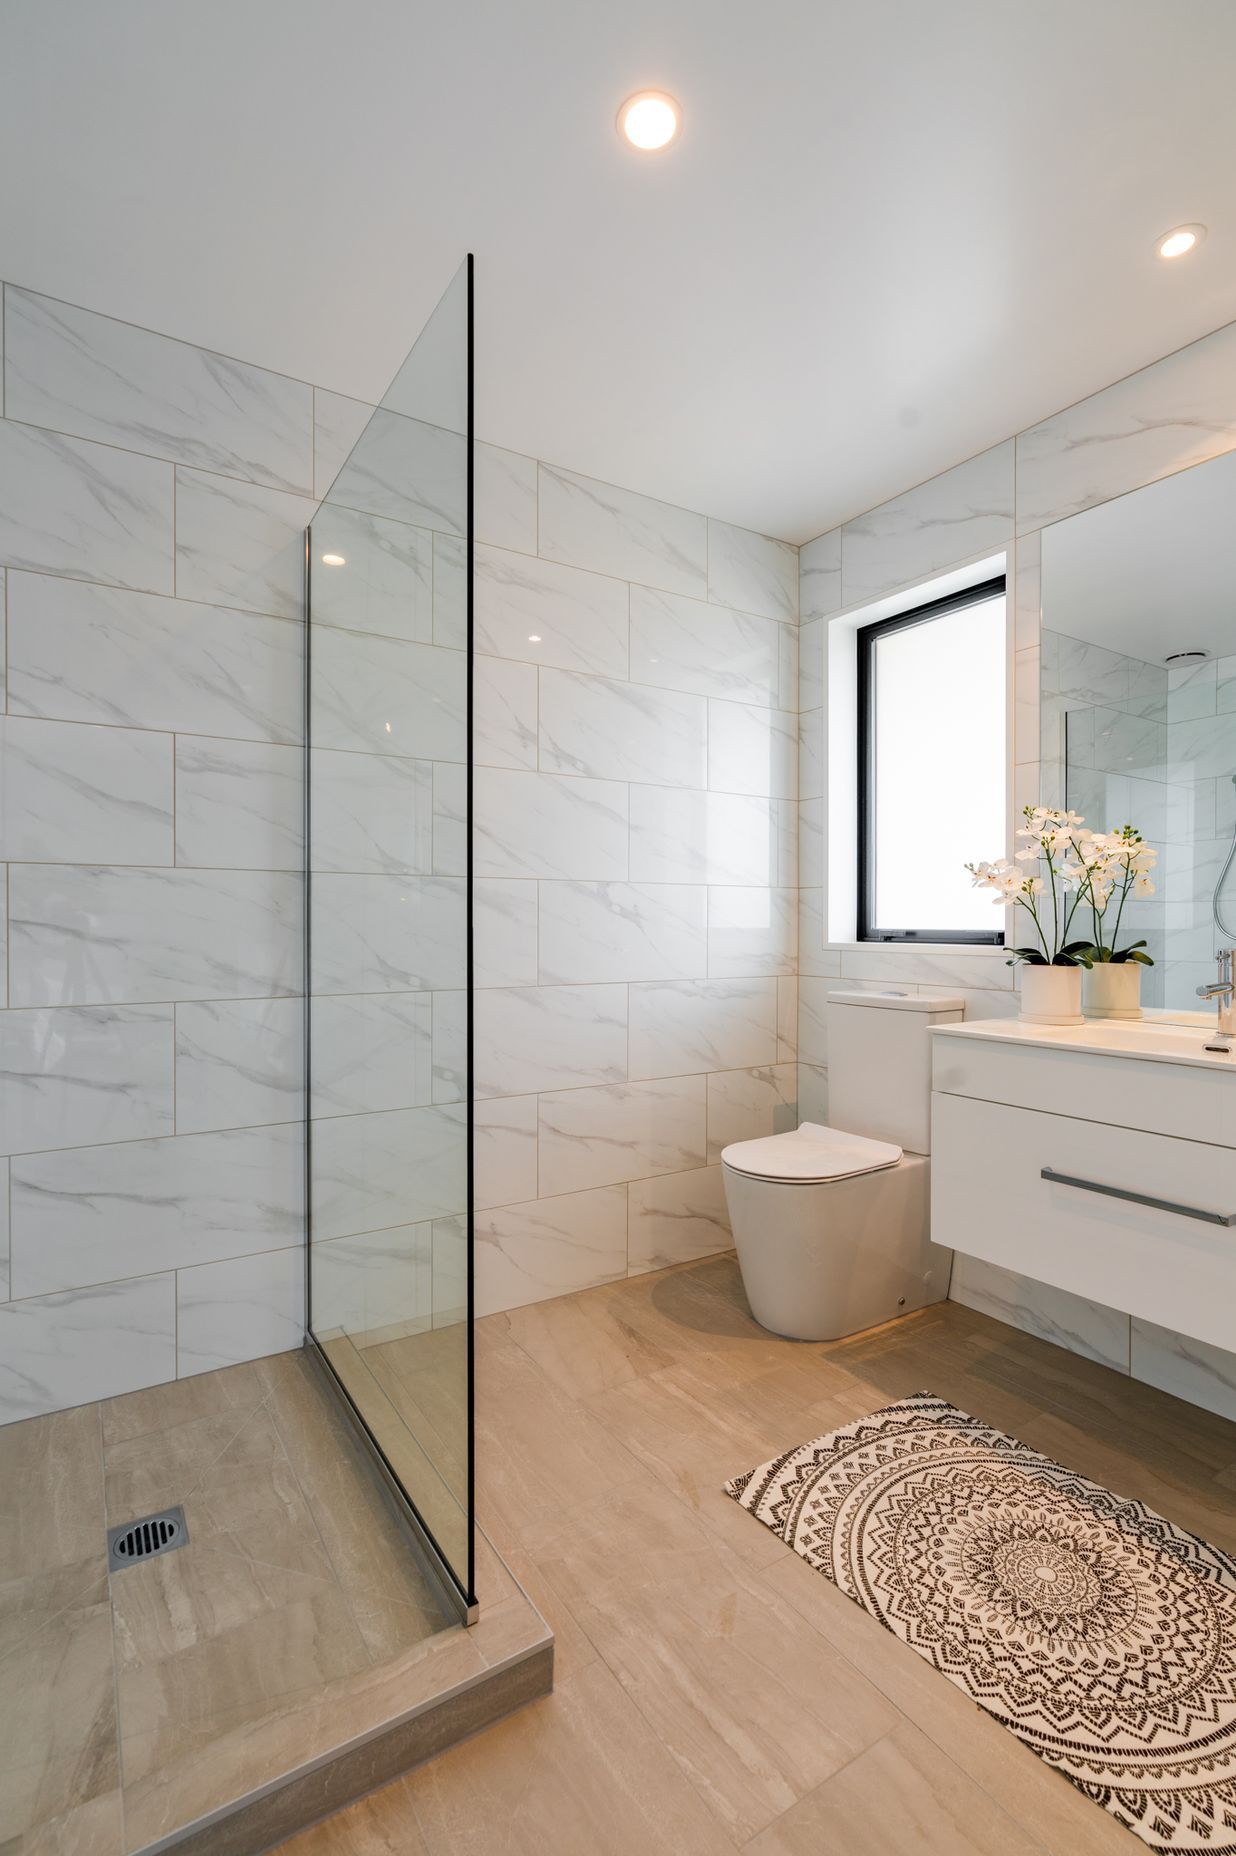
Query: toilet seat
[810, 1154]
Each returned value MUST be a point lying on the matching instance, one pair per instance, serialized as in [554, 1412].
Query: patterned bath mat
[1089, 1626]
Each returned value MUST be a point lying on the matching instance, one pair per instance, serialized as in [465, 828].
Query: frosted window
[936, 780]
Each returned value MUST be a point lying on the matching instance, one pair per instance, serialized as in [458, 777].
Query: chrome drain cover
[146, 1539]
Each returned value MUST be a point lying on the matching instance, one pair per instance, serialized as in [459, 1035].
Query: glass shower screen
[388, 728]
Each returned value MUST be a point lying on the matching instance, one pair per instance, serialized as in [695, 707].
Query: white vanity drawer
[1199, 1104]
[989, 1200]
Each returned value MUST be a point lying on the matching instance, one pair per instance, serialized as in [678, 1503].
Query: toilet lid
[810, 1152]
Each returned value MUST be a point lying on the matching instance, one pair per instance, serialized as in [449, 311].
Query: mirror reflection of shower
[1138, 704]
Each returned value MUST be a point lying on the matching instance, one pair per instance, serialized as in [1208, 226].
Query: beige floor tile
[755, 1712]
[163, 1408]
[51, 1491]
[384, 1824]
[58, 1743]
[1066, 1823]
[901, 1795]
[578, 1774]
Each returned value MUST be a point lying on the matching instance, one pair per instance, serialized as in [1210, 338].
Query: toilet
[831, 1224]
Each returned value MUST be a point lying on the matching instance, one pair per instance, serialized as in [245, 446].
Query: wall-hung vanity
[1099, 1159]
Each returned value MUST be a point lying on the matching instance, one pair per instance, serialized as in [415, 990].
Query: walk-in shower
[389, 953]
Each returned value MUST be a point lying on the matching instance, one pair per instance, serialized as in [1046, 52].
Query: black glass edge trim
[469, 958]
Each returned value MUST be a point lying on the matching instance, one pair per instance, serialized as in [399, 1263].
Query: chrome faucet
[1224, 991]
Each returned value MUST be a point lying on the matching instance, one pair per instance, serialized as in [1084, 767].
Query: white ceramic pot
[1113, 989]
[1051, 995]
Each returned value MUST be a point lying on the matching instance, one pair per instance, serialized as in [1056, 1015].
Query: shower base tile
[292, 1654]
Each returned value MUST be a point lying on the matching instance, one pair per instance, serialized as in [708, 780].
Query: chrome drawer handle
[1138, 1198]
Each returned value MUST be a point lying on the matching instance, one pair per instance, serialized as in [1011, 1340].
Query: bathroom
[571, 1279]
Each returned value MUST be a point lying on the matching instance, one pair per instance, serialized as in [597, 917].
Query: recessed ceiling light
[334, 560]
[649, 120]
[1179, 241]
[534, 637]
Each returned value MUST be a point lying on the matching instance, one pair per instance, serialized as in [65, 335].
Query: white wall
[635, 853]
[636, 875]
[1175, 414]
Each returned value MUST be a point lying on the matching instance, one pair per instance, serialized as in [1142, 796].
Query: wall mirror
[1138, 704]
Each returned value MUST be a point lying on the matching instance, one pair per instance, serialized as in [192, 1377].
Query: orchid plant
[1061, 868]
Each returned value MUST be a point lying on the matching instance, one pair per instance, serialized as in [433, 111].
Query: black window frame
[868, 637]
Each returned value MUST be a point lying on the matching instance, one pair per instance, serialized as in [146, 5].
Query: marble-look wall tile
[812, 843]
[962, 513]
[751, 932]
[744, 1105]
[549, 1037]
[91, 376]
[707, 650]
[504, 1150]
[374, 1281]
[4, 1231]
[811, 665]
[239, 1063]
[545, 613]
[951, 967]
[812, 757]
[1027, 591]
[682, 1027]
[527, 1253]
[752, 750]
[504, 498]
[504, 925]
[1037, 1308]
[450, 1046]
[450, 819]
[787, 1019]
[85, 934]
[372, 813]
[407, 471]
[1175, 413]
[61, 1350]
[622, 731]
[546, 825]
[239, 805]
[93, 1214]
[813, 993]
[1188, 1369]
[71, 507]
[384, 696]
[72, 791]
[598, 1137]
[371, 1052]
[370, 1172]
[753, 572]
[504, 713]
[679, 836]
[239, 1309]
[239, 544]
[622, 931]
[384, 581]
[387, 933]
[618, 532]
[70, 1077]
[94, 654]
[676, 1218]
[819, 577]
[812, 1094]
[337, 424]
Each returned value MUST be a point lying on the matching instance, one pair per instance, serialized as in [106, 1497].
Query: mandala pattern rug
[1098, 1633]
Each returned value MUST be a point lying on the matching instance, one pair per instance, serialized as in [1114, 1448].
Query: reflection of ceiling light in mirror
[649, 120]
[534, 637]
[388, 728]
[334, 560]
[1180, 241]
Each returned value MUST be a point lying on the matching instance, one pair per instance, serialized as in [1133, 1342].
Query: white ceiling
[892, 232]
[1152, 572]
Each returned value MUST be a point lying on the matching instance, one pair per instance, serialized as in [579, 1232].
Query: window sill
[971, 949]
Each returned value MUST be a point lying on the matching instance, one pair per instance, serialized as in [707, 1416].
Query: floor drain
[146, 1539]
